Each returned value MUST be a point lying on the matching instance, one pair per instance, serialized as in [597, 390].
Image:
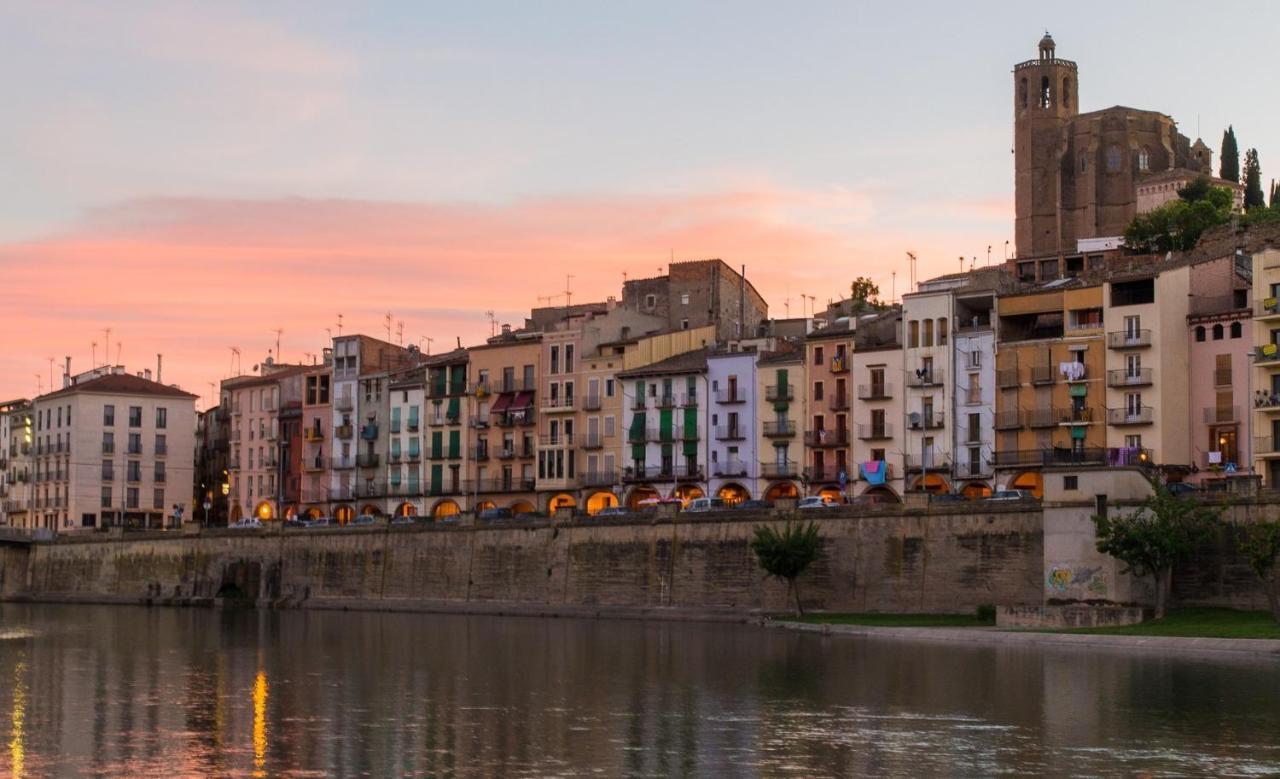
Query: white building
[975, 392]
[734, 461]
[16, 441]
[664, 405]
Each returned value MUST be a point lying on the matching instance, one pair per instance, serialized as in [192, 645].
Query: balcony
[268, 404]
[729, 469]
[1129, 339]
[975, 470]
[343, 463]
[415, 455]
[1021, 458]
[730, 433]
[367, 460]
[875, 432]
[1266, 446]
[838, 402]
[592, 441]
[558, 405]
[777, 470]
[827, 473]
[666, 401]
[840, 364]
[108, 474]
[875, 391]
[1129, 416]
[925, 377]
[1221, 415]
[1129, 455]
[783, 429]
[158, 478]
[663, 473]
[598, 478]
[1042, 374]
[1078, 416]
[1266, 308]
[395, 456]
[775, 393]
[1269, 354]
[505, 484]
[1007, 378]
[591, 403]
[506, 454]
[344, 432]
[477, 453]
[1008, 420]
[369, 432]
[931, 420]
[313, 464]
[1043, 417]
[731, 395]
[1126, 377]
[413, 425]
[823, 438]
[344, 403]
[928, 460]
[313, 433]
[107, 448]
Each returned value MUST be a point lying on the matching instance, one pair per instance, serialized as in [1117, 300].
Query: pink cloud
[192, 277]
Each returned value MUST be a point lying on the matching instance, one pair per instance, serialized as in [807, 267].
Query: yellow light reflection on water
[17, 750]
[260, 691]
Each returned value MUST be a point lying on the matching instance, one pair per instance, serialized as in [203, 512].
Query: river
[129, 691]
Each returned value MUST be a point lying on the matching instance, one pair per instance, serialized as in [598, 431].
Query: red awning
[502, 403]
[523, 401]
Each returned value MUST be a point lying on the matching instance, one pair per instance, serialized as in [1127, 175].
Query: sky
[195, 176]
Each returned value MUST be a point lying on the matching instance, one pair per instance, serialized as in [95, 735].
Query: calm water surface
[120, 691]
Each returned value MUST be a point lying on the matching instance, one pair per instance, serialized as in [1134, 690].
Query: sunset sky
[194, 176]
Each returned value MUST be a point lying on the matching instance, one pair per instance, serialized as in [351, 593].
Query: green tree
[864, 294]
[1261, 544]
[787, 554]
[1229, 159]
[1177, 225]
[1275, 194]
[1161, 532]
[1253, 196]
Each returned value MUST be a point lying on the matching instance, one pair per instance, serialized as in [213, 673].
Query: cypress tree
[1275, 194]
[1229, 159]
[1253, 196]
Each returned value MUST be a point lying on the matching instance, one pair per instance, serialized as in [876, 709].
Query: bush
[986, 612]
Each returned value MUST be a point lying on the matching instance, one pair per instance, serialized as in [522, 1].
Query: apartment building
[449, 414]
[780, 411]
[111, 448]
[403, 486]
[928, 382]
[561, 400]
[877, 373]
[362, 370]
[258, 450]
[974, 401]
[1266, 365]
[666, 429]
[1050, 395]
[1220, 348]
[1148, 366]
[601, 442]
[733, 455]
[503, 452]
[17, 439]
[827, 438]
[317, 429]
[212, 478]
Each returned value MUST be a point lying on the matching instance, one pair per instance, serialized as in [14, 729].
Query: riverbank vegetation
[901, 620]
[1197, 623]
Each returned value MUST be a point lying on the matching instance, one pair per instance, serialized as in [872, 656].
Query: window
[1200, 332]
[134, 470]
[568, 358]
[817, 355]
[1022, 93]
[1115, 159]
[108, 442]
[684, 324]
[1046, 93]
[1144, 160]
[106, 497]
[1236, 330]
[555, 359]
[650, 301]
[162, 417]
[1066, 93]
[135, 443]
[135, 416]
[108, 415]
[157, 499]
[1070, 483]
[942, 331]
[928, 333]
[817, 390]
[913, 334]
[159, 473]
[975, 358]
[684, 298]
[131, 498]
[1217, 332]
[1084, 162]
[608, 388]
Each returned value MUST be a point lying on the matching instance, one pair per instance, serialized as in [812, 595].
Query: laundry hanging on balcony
[874, 471]
[1071, 371]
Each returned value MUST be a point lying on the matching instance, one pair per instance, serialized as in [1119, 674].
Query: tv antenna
[387, 323]
[400, 332]
[911, 257]
[493, 323]
[235, 361]
[106, 345]
[428, 339]
[339, 325]
[279, 331]
[93, 345]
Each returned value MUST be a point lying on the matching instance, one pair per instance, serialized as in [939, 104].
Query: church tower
[1044, 101]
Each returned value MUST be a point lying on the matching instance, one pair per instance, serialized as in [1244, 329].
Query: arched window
[1217, 332]
[942, 331]
[1022, 92]
[1115, 159]
[1236, 330]
[1066, 93]
[1046, 96]
[1144, 160]
[1200, 332]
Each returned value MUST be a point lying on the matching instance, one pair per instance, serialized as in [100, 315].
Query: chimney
[506, 329]
[66, 373]
[159, 365]
[147, 374]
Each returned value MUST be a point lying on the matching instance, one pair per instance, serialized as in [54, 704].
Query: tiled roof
[121, 384]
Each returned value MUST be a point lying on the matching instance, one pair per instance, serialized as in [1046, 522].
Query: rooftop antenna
[93, 345]
[39, 384]
[493, 321]
[988, 255]
[786, 307]
[329, 332]
[50, 374]
[568, 292]
[911, 256]
[311, 356]
[279, 331]
[893, 286]
[812, 310]
[387, 324]
[400, 332]
[428, 339]
[235, 361]
[118, 345]
[339, 325]
[962, 263]
[106, 344]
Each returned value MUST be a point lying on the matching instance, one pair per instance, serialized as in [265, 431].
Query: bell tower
[1045, 93]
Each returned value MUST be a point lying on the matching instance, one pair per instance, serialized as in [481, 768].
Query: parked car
[529, 516]
[815, 502]
[754, 504]
[613, 511]
[1009, 496]
[402, 521]
[294, 522]
[365, 519]
[699, 505]
[937, 497]
[1182, 489]
[495, 515]
[321, 522]
[247, 523]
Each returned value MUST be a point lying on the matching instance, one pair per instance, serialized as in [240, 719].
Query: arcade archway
[1029, 480]
[601, 500]
[732, 494]
[783, 490]
[688, 492]
[445, 508]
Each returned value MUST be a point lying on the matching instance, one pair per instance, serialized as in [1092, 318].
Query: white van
[706, 504]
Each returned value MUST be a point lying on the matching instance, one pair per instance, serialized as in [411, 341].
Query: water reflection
[137, 692]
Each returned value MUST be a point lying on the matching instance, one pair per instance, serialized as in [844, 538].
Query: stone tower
[1044, 102]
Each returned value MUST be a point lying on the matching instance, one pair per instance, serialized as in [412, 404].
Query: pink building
[1219, 365]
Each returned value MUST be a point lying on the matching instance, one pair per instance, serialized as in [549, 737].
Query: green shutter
[1078, 390]
[413, 416]
[666, 452]
[637, 452]
[665, 424]
[455, 443]
[438, 384]
[781, 404]
[639, 394]
[1077, 433]
[437, 479]
[452, 413]
[690, 423]
[457, 380]
[437, 443]
[637, 427]
[690, 448]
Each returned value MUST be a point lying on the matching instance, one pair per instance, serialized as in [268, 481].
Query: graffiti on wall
[1068, 581]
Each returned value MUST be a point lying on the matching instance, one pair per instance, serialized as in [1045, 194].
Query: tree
[864, 294]
[1229, 162]
[1275, 194]
[787, 554]
[1261, 544]
[1177, 225]
[1161, 532]
[1253, 197]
